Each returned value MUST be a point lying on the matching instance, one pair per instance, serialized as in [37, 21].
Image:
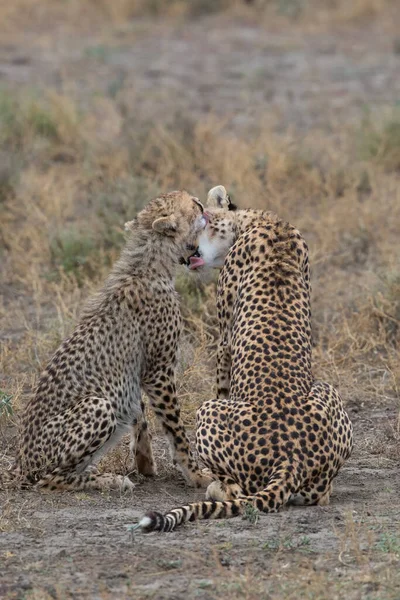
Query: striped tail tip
[152, 521]
[155, 521]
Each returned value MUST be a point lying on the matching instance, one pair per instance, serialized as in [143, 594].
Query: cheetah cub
[126, 341]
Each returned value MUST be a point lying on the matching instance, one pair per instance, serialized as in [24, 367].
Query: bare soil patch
[78, 545]
[132, 106]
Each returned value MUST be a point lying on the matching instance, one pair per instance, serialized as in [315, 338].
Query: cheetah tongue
[196, 262]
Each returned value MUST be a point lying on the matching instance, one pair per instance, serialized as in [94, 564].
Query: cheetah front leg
[161, 390]
[223, 368]
[140, 447]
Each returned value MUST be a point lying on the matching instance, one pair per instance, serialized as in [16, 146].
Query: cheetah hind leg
[318, 493]
[65, 480]
[140, 447]
[79, 438]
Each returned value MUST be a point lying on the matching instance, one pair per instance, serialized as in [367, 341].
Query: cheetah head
[216, 239]
[176, 218]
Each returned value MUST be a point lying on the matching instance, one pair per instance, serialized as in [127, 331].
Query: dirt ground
[79, 545]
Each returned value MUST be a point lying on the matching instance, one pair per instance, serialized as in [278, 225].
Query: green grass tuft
[251, 514]
[71, 251]
[389, 543]
[6, 408]
[380, 142]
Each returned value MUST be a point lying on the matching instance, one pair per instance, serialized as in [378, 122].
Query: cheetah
[274, 435]
[126, 341]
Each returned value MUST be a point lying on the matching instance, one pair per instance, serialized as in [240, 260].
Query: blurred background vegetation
[293, 105]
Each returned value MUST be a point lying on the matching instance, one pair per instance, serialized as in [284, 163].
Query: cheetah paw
[127, 484]
[216, 491]
[223, 492]
[121, 483]
[203, 478]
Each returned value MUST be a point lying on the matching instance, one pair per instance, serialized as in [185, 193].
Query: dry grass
[84, 13]
[73, 170]
[363, 565]
[65, 197]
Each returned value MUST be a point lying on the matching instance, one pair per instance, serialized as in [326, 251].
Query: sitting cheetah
[89, 395]
[274, 434]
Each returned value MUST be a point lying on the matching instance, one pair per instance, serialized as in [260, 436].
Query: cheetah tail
[271, 499]
[155, 521]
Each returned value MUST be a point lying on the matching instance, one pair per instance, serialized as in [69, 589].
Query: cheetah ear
[218, 198]
[130, 225]
[165, 225]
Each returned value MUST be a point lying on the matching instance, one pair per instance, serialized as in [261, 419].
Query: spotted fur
[89, 395]
[274, 434]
